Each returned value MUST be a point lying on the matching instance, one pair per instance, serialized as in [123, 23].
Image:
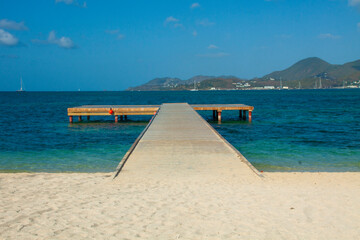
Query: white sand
[92, 206]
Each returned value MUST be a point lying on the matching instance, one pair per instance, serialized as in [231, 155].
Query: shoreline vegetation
[309, 73]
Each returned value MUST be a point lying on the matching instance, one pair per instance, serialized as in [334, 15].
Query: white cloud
[328, 36]
[12, 25]
[178, 25]
[116, 32]
[214, 55]
[72, 2]
[205, 22]
[7, 39]
[354, 3]
[194, 33]
[195, 5]
[173, 22]
[120, 36]
[52, 37]
[212, 46]
[63, 42]
[170, 20]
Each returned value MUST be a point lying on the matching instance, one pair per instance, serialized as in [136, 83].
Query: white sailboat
[21, 86]
[194, 89]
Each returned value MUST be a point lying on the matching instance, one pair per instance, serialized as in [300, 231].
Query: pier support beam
[243, 115]
[240, 114]
[88, 118]
[250, 117]
[71, 119]
[125, 117]
[219, 116]
[214, 115]
[116, 118]
[121, 117]
[80, 119]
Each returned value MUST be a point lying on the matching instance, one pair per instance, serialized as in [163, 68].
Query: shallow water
[298, 130]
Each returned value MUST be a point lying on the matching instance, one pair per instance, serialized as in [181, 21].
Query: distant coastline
[309, 73]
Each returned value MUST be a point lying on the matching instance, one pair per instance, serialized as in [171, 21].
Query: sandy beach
[180, 185]
[93, 206]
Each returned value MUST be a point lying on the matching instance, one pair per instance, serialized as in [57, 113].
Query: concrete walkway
[180, 143]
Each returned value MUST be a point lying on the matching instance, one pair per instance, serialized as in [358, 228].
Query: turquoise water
[300, 130]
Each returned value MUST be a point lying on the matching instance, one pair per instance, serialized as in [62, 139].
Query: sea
[292, 130]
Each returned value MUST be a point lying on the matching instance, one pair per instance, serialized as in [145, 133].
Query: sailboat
[21, 86]
[194, 89]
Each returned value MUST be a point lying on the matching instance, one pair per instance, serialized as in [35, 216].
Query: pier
[179, 143]
[121, 112]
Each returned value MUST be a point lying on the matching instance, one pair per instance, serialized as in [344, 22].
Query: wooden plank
[107, 113]
[222, 107]
[80, 110]
[180, 143]
[103, 110]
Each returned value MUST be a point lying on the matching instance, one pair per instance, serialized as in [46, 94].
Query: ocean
[295, 130]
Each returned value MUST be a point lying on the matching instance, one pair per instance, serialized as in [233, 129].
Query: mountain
[308, 73]
[163, 81]
[347, 72]
[158, 84]
[305, 68]
[201, 82]
[197, 79]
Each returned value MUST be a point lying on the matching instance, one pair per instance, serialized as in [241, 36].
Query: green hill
[307, 73]
[157, 84]
[310, 68]
[201, 82]
[347, 72]
[305, 68]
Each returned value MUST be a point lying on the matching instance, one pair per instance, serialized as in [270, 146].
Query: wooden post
[219, 116]
[88, 118]
[250, 116]
[244, 115]
[121, 117]
[80, 119]
[125, 117]
[116, 118]
[240, 114]
[71, 119]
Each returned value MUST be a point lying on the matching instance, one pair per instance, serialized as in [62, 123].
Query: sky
[66, 45]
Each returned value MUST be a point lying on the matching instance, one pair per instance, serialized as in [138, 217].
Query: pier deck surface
[180, 143]
[146, 109]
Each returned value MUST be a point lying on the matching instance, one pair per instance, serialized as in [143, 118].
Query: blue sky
[112, 45]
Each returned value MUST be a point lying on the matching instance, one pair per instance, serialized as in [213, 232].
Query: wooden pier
[179, 143]
[122, 111]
